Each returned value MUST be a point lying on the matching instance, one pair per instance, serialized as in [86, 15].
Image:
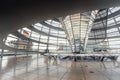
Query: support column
[47, 50]
[3, 42]
[17, 45]
[28, 44]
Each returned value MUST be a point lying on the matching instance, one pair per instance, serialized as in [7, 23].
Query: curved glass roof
[45, 38]
[88, 30]
[54, 23]
[106, 31]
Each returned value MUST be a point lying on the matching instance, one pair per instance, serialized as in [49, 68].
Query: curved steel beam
[108, 16]
[103, 28]
[26, 38]
[43, 33]
[52, 27]
[104, 38]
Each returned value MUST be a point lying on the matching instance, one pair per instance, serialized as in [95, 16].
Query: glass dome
[87, 31]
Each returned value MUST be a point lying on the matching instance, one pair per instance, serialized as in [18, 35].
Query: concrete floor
[40, 68]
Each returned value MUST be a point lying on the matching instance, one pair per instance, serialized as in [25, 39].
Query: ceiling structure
[35, 15]
[93, 29]
[16, 14]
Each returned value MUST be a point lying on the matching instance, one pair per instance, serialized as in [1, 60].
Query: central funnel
[77, 28]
